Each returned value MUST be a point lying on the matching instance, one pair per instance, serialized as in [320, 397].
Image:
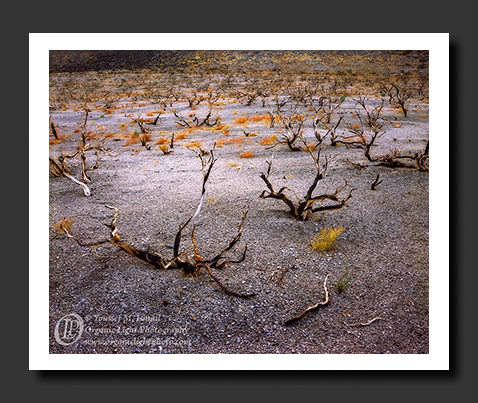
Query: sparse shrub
[343, 281]
[145, 137]
[326, 239]
[165, 149]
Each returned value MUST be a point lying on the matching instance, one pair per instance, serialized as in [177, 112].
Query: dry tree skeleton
[393, 160]
[370, 119]
[304, 207]
[58, 166]
[189, 265]
[195, 121]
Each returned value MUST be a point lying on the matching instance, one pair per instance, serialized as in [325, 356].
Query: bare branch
[313, 307]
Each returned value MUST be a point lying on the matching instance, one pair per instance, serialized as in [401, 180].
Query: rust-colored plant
[247, 154]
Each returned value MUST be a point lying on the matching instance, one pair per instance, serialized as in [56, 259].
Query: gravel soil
[128, 306]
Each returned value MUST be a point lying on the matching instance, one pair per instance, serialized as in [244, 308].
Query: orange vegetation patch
[241, 119]
[181, 135]
[223, 128]
[57, 141]
[260, 118]
[131, 141]
[194, 143]
[268, 140]
[227, 141]
[247, 154]
[145, 137]
[161, 140]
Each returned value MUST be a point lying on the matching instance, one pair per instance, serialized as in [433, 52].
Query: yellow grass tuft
[326, 239]
[165, 149]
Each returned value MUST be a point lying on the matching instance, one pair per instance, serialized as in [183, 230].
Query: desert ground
[149, 135]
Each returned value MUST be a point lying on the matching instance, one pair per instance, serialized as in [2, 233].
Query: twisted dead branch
[313, 307]
[375, 183]
[190, 266]
[58, 166]
[393, 160]
[364, 324]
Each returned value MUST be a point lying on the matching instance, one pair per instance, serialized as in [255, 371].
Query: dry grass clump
[268, 140]
[233, 164]
[165, 148]
[131, 141]
[64, 225]
[326, 239]
[161, 140]
[241, 119]
[181, 135]
[261, 118]
[247, 154]
[193, 144]
[228, 141]
[224, 129]
[134, 138]
[57, 141]
[145, 138]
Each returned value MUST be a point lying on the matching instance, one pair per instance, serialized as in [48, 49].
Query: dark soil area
[165, 60]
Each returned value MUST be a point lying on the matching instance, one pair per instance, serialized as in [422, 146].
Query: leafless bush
[369, 128]
[304, 206]
[59, 167]
[399, 91]
[190, 265]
